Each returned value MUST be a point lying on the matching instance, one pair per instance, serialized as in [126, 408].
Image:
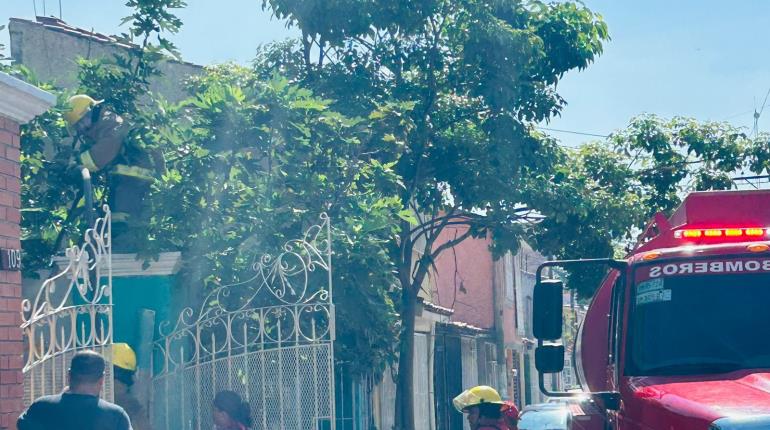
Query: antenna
[60, 9]
[34, 5]
[758, 114]
[44, 13]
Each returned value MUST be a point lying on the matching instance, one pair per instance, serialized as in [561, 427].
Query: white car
[546, 416]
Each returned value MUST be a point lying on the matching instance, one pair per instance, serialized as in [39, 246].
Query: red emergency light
[697, 233]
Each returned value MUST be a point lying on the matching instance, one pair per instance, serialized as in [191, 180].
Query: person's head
[510, 413]
[484, 411]
[86, 373]
[79, 106]
[479, 402]
[230, 411]
[123, 363]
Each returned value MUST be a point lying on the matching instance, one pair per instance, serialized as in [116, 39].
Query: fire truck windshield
[709, 323]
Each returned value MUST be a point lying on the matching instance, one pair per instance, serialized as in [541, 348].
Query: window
[719, 320]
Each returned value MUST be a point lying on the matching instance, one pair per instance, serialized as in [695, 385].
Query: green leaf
[408, 216]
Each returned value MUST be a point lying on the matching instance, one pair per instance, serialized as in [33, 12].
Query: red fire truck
[678, 334]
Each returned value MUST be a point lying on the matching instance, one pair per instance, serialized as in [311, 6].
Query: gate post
[19, 103]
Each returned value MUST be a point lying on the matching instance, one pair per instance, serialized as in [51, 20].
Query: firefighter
[131, 169]
[483, 405]
[510, 414]
[124, 370]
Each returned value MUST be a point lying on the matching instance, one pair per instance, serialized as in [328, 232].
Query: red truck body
[680, 333]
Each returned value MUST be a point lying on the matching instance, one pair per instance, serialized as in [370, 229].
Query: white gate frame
[269, 338]
[71, 312]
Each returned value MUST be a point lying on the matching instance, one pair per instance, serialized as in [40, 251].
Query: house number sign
[10, 259]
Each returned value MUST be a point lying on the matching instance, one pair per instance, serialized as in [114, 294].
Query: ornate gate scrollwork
[269, 338]
[72, 311]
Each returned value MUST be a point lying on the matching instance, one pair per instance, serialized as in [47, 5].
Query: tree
[472, 78]
[51, 191]
[607, 191]
[256, 164]
[250, 163]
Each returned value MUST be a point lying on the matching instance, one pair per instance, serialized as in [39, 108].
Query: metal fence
[72, 311]
[269, 339]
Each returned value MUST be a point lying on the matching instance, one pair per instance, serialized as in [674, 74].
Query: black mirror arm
[610, 400]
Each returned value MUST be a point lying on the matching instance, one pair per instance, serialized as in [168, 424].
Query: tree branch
[450, 244]
[452, 214]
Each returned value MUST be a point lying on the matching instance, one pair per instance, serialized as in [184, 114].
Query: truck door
[615, 338]
[618, 419]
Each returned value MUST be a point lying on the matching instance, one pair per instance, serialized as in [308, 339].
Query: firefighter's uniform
[124, 367]
[132, 170]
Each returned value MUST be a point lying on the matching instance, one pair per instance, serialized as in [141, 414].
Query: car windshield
[699, 323]
[549, 419]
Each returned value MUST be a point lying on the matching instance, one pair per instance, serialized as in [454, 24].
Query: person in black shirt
[79, 407]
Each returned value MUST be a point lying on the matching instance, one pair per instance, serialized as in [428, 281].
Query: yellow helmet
[79, 106]
[124, 357]
[476, 396]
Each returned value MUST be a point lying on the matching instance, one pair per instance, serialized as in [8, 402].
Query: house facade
[19, 104]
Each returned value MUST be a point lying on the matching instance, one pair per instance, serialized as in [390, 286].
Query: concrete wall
[51, 51]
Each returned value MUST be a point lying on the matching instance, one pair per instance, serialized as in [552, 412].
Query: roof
[21, 101]
[436, 309]
[56, 24]
[465, 328]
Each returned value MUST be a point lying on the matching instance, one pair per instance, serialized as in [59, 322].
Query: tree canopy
[472, 78]
[608, 190]
[250, 163]
[398, 119]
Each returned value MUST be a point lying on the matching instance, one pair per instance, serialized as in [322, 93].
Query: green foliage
[51, 192]
[680, 155]
[252, 161]
[253, 165]
[51, 196]
[469, 79]
[602, 193]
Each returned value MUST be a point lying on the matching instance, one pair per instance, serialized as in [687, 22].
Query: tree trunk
[405, 383]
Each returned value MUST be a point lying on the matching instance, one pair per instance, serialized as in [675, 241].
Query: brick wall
[463, 279]
[11, 344]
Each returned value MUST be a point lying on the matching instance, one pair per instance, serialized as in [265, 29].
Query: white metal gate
[71, 312]
[269, 339]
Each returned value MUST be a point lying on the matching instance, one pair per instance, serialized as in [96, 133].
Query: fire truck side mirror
[547, 310]
[549, 358]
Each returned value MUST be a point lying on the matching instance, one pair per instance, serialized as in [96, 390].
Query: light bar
[694, 233]
[713, 232]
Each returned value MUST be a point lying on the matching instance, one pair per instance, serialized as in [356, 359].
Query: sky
[698, 58]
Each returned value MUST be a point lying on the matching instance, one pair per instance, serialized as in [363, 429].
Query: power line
[764, 105]
[738, 114]
[581, 133]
